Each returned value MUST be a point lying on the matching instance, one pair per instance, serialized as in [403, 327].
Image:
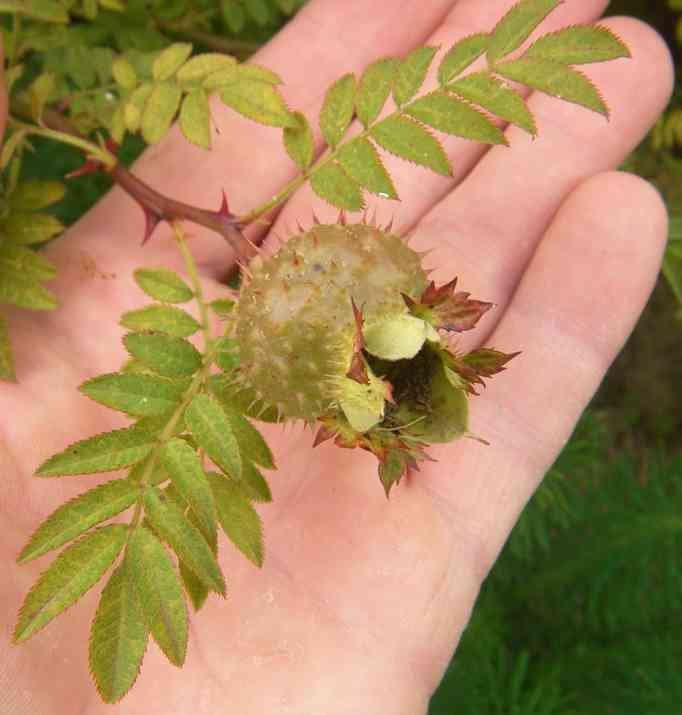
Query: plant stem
[226, 45]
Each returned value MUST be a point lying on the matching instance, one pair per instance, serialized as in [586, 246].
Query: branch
[227, 45]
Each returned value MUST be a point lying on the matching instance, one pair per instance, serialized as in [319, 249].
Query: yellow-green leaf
[170, 60]
[332, 183]
[39, 93]
[166, 318]
[45, 10]
[164, 354]
[338, 109]
[187, 475]
[72, 573]
[102, 453]
[35, 195]
[258, 10]
[12, 145]
[411, 141]
[195, 118]
[579, 44]
[132, 109]
[251, 444]
[259, 101]
[25, 293]
[461, 55]
[23, 263]
[254, 483]
[124, 73]
[411, 74]
[194, 588]
[160, 593]
[118, 636]
[7, 371]
[24, 228]
[452, 116]
[517, 25]
[159, 111]
[234, 15]
[78, 515]
[361, 162]
[298, 141]
[257, 72]
[186, 540]
[374, 87]
[163, 285]
[238, 519]
[556, 80]
[201, 66]
[209, 424]
[487, 91]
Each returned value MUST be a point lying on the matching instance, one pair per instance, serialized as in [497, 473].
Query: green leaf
[187, 475]
[170, 60]
[201, 66]
[102, 453]
[226, 353]
[124, 73]
[211, 428]
[234, 15]
[254, 483]
[186, 540]
[259, 101]
[195, 589]
[411, 141]
[164, 285]
[118, 637]
[517, 25]
[411, 74]
[195, 118]
[238, 519]
[244, 399]
[222, 307]
[24, 264]
[331, 183]
[164, 318]
[338, 109]
[374, 87]
[45, 10]
[29, 228]
[250, 441]
[135, 394]
[258, 72]
[672, 261]
[258, 10]
[164, 354]
[556, 80]
[133, 108]
[7, 371]
[159, 111]
[25, 293]
[36, 195]
[71, 574]
[298, 141]
[160, 593]
[361, 162]
[40, 92]
[452, 116]
[579, 44]
[484, 89]
[461, 55]
[78, 515]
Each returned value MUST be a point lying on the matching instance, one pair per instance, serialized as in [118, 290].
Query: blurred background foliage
[582, 612]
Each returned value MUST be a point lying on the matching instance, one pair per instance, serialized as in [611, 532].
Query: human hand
[360, 601]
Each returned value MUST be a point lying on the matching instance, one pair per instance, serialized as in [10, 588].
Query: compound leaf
[461, 55]
[7, 371]
[159, 111]
[118, 637]
[164, 354]
[163, 285]
[187, 475]
[238, 519]
[170, 60]
[374, 88]
[160, 593]
[409, 140]
[338, 109]
[135, 394]
[209, 424]
[556, 80]
[411, 73]
[517, 25]
[165, 318]
[71, 574]
[579, 44]
[452, 116]
[78, 515]
[484, 89]
[186, 540]
[102, 453]
[259, 101]
[361, 162]
[331, 183]
[195, 118]
[298, 141]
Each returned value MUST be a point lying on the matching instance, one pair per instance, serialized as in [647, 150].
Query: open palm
[361, 600]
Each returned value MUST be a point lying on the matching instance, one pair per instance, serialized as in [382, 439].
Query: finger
[487, 230]
[419, 189]
[574, 308]
[324, 41]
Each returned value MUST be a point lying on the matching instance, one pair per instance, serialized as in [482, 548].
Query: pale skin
[361, 600]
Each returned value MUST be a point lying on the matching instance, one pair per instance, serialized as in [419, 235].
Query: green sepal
[164, 354]
[164, 318]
